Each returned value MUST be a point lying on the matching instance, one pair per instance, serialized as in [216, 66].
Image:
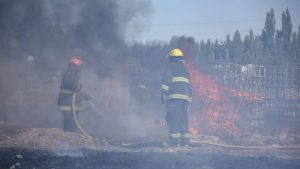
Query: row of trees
[49, 33]
[272, 46]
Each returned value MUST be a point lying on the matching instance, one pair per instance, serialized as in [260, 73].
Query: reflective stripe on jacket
[69, 108]
[69, 87]
[176, 82]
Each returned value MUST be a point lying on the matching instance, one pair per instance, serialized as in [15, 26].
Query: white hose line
[76, 119]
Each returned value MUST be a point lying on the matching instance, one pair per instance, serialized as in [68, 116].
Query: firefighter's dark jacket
[70, 88]
[176, 82]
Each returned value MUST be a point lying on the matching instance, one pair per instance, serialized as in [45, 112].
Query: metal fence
[278, 86]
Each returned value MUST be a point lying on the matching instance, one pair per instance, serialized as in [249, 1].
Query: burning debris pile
[233, 115]
[217, 109]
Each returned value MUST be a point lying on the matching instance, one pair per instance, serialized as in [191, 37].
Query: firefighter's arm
[165, 85]
[190, 86]
[163, 97]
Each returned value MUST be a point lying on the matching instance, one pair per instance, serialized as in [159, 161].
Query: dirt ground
[91, 159]
[39, 148]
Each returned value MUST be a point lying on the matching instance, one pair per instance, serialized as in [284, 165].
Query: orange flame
[193, 130]
[214, 108]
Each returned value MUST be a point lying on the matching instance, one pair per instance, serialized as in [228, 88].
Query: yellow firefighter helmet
[175, 53]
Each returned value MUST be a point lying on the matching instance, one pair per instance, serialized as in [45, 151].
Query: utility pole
[226, 50]
[226, 55]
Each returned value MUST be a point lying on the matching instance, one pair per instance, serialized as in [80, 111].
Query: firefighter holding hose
[176, 93]
[70, 97]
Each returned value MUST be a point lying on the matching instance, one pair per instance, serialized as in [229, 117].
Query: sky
[213, 19]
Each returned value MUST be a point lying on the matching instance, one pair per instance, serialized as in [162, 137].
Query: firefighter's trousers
[177, 121]
[68, 121]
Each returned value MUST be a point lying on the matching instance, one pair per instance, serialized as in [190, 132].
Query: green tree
[268, 34]
[258, 51]
[205, 49]
[286, 31]
[279, 43]
[206, 53]
[210, 53]
[249, 48]
[298, 47]
[237, 47]
[283, 39]
[228, 48]
[293, 48]
[220, 51]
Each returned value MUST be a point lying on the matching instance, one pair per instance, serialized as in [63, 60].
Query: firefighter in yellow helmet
[176, 93]
[69, 90]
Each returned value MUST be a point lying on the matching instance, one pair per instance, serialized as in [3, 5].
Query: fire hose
[76, 119]
[213, 141]
[246, 147]
[194, 141]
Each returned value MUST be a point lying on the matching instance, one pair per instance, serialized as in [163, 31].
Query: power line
[199, 23]
[210, 33]
[207, 23]
[199, 35]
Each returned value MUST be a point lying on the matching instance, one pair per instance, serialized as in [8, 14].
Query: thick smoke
[37, 38]
[97, 28]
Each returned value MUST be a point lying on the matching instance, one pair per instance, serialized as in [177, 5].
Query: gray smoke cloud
[37, 38]
[37, 27]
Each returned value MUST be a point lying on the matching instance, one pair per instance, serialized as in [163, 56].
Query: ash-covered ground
[91, 159]
[53, 148]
